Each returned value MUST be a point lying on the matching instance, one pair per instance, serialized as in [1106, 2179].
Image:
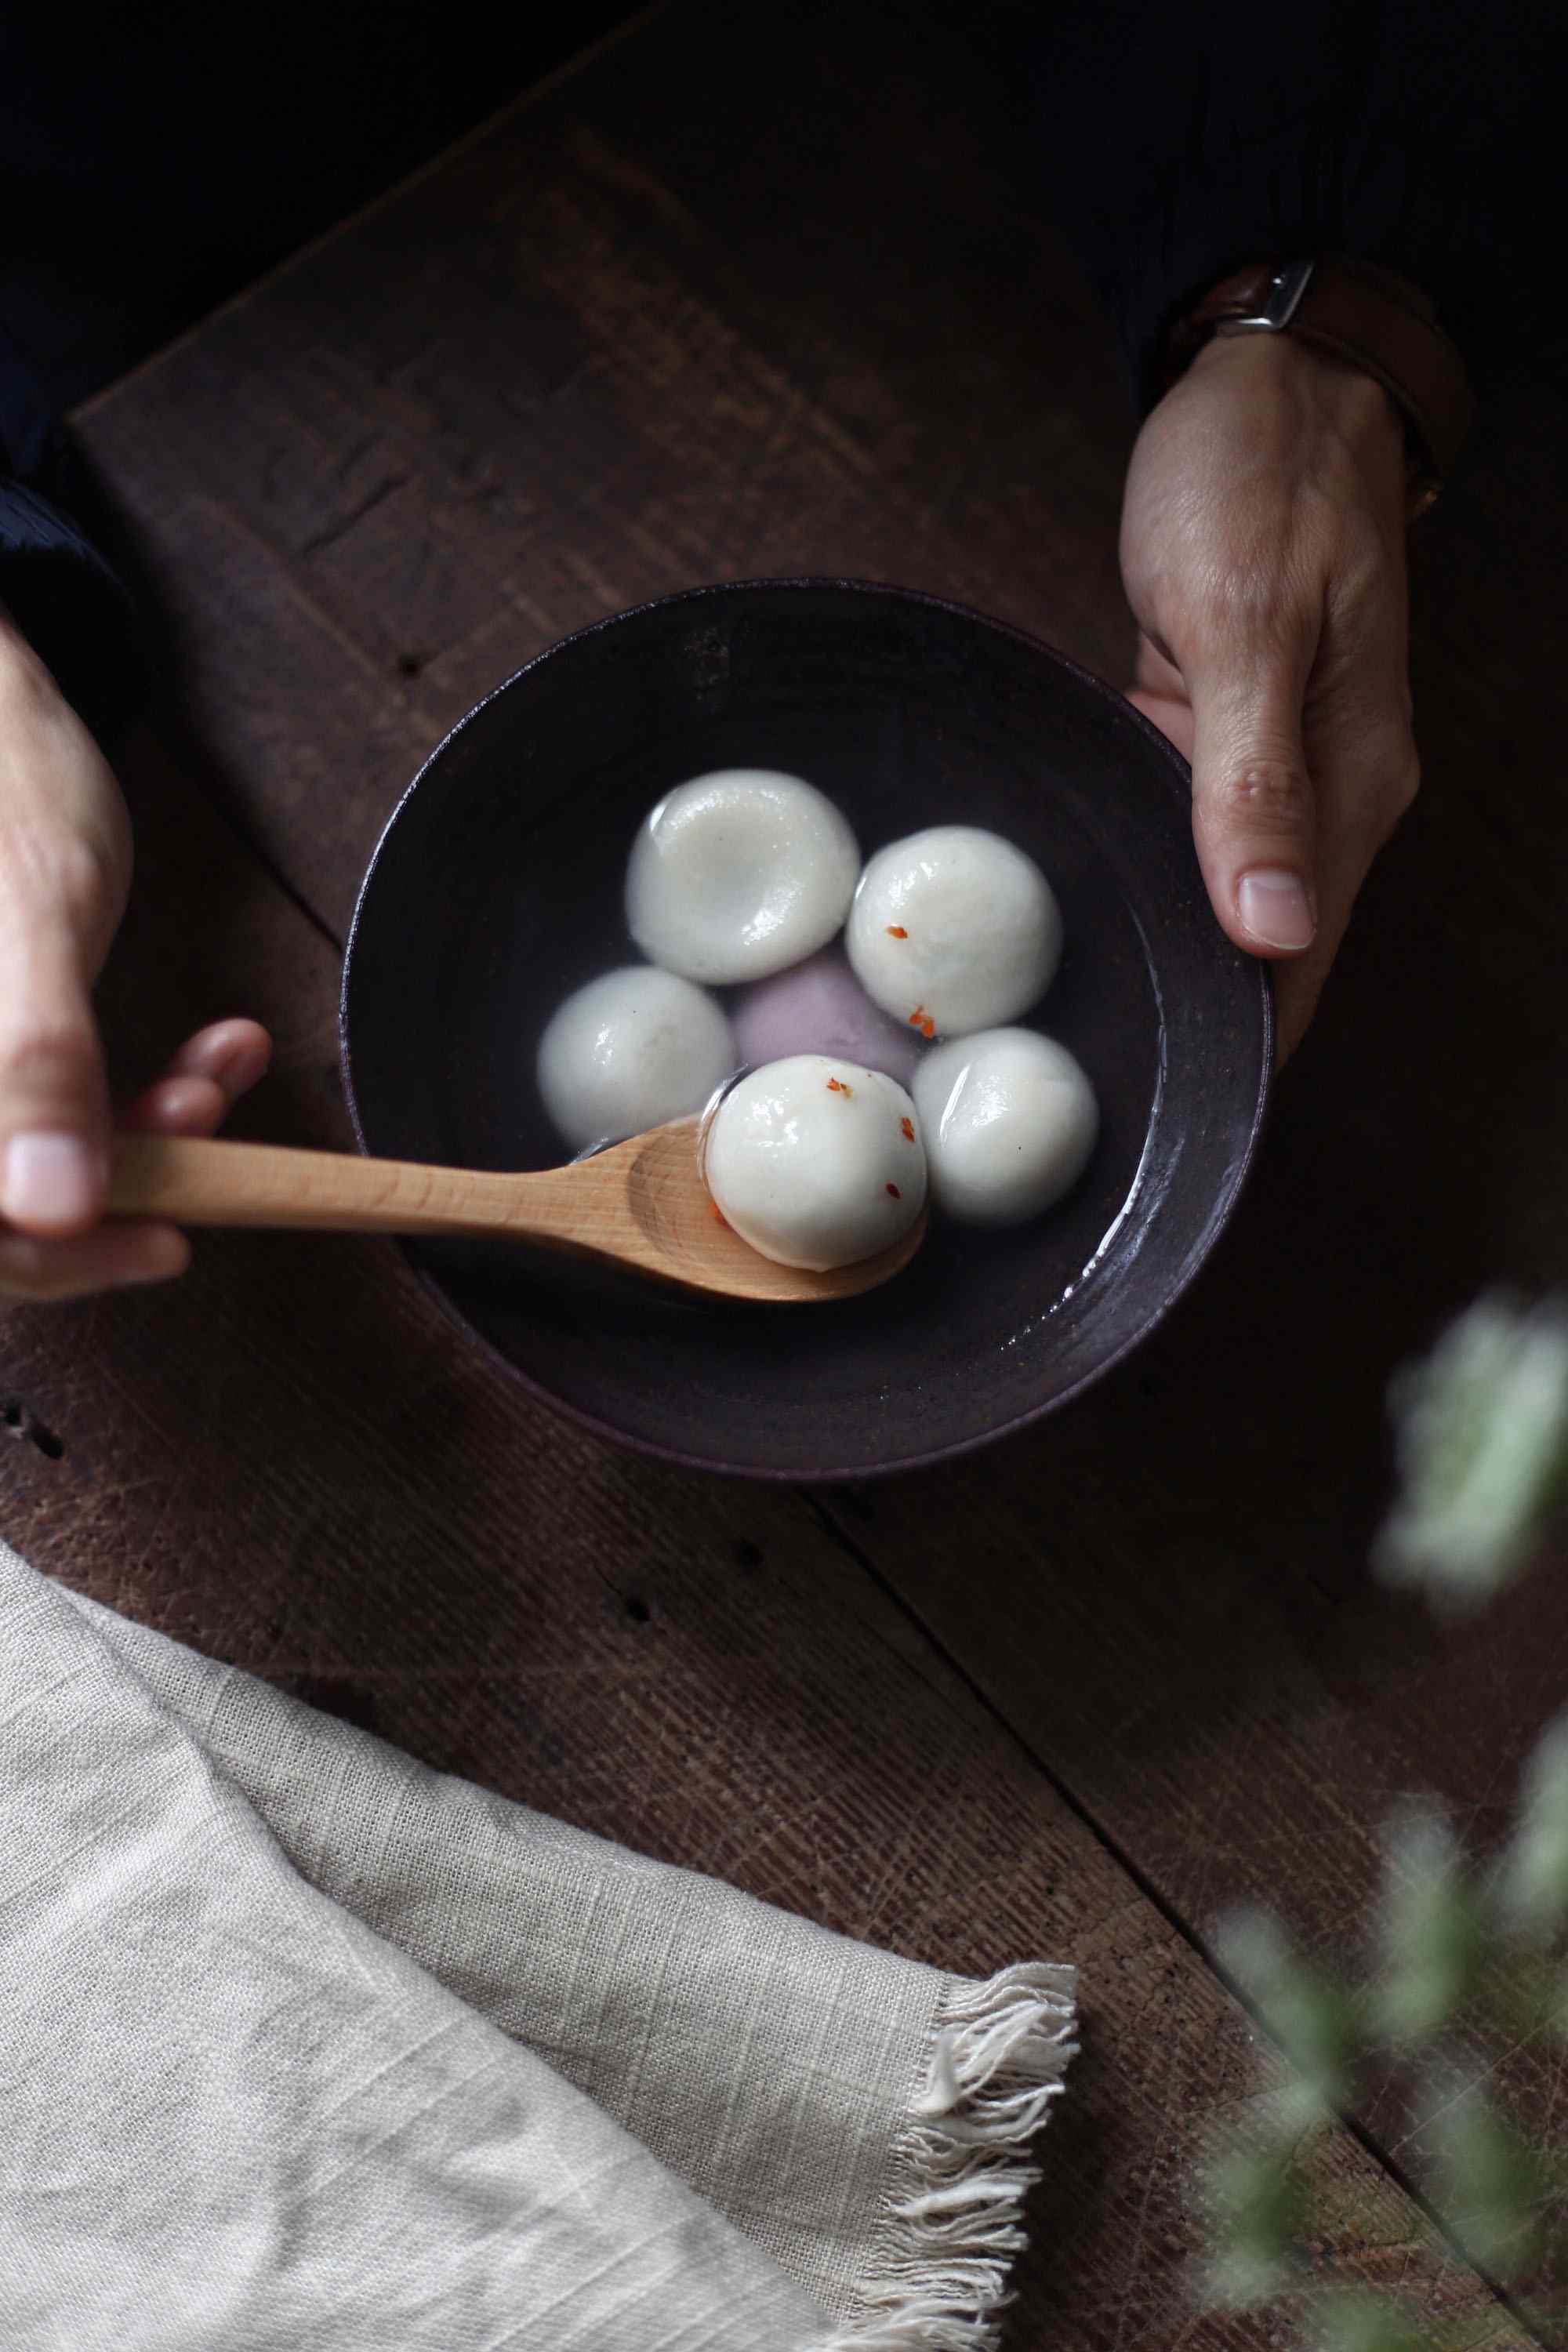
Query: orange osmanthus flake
[837, 1086]
[895, 1191]
[909, 1128]
[896, 931]
[921, 1019]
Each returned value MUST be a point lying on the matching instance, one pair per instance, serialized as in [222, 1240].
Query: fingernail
[52, 1181]
[236, 1062]
[1274, 907]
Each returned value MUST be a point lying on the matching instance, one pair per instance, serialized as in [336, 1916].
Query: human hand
[1263, 553]
[64, 868]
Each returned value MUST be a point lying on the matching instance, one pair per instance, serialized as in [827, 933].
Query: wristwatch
[1363, 315]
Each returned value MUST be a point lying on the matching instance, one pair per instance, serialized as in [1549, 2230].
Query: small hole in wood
[410, 664]
[748, 1555]
[637, 1610]
[20, 1424]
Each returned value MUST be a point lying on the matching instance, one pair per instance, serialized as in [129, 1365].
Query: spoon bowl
[640, 1204]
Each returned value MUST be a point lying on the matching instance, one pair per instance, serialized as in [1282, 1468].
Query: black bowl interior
[496, 889]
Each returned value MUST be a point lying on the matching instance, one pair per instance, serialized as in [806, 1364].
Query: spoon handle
[197, 1182]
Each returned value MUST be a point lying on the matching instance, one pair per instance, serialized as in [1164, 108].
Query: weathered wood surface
[290, 1462]
[1086, 1693]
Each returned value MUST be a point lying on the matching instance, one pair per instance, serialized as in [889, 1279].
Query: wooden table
[663, 323]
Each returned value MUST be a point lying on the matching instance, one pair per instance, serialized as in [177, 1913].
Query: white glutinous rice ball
[819, 1007]
[1009, 1120]
[739, 874]
[629, 1051]
[953, 929]
[816, 1161]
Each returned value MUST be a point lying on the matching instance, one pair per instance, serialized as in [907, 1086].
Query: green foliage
[1481, 1429]
[1453, 1936]
[1482, 1432]
[1434, 1931]
[1490, 2182]
[1535, 1875]
[1351, 2322]
[1310, 2017]
[1257, 2206]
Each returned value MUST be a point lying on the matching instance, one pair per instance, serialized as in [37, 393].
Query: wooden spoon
[641, 1203]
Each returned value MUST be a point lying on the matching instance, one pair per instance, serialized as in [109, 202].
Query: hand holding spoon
[641, 1204]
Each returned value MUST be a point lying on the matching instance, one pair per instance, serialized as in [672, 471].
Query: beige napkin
[302, 2045]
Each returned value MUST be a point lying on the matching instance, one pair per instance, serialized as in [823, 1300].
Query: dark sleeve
[1180, 142]
[63, 593]
[69, 120]
[140, 183]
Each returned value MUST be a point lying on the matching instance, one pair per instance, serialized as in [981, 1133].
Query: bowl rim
[830, 1475]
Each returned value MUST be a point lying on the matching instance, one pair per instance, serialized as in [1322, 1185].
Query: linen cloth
[303, 2045]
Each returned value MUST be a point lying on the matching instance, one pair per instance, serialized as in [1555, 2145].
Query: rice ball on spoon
[1009, 1120]
[632, 1049]
[740, 874]
[816, 1161]
[954, 929]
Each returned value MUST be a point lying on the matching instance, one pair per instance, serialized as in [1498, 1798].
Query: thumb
[54, 1097]
[1253, 817]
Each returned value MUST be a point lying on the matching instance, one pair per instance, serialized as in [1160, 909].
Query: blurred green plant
[1481, 1432]
[1482, 1442]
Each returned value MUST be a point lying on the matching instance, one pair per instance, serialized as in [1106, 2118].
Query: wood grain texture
[291, 1461]
[616, 346]
[550, 381]
[1231, 1697]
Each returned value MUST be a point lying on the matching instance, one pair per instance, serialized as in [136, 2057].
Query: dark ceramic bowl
[496, 888]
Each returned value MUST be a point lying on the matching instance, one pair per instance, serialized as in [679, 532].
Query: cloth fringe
[1001, 2050]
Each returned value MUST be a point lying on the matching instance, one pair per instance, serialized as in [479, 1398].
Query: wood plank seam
[821, 1507]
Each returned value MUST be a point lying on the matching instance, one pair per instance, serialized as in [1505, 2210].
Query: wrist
[1359, 408]
[65, 833]
[1365, 317]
